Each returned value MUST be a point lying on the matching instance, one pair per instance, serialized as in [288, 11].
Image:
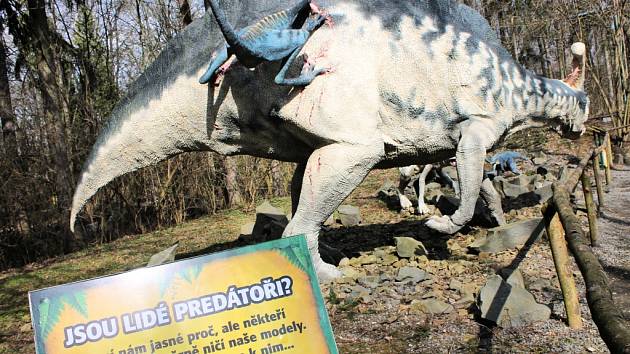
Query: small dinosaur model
[274, 37]
[506, 161]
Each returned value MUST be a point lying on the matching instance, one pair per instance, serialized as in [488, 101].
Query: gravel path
[614, 239]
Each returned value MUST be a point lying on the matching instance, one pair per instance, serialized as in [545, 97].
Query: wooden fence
[564, 227]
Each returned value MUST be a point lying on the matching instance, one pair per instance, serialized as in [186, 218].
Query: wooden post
[607, 162]
[561, 260]
[609, 156]
[598, 183]
[614, 330]
[590, 208]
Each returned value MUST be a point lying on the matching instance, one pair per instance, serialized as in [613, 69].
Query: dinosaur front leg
[513, 166]
[219, 59]
[422, 207]
[470, 158]
[332, 172]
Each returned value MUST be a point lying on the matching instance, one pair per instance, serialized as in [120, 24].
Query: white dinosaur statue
[414, 82]
[410, 174]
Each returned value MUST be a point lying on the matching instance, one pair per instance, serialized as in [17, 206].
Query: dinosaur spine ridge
[266, 23]
[228, 31]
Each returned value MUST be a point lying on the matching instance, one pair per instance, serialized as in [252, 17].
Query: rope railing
[564, 227]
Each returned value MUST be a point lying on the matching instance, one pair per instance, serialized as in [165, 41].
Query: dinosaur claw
[442, 224]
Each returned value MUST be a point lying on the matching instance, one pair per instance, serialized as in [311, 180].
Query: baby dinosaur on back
[275, 37]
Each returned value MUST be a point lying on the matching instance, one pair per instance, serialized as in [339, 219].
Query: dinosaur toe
[442, 224]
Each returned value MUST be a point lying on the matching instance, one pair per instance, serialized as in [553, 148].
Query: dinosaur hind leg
[492, 199]
[332, 173]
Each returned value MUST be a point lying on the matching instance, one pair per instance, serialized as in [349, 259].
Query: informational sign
[259, 299]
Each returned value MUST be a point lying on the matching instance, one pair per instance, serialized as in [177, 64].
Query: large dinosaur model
[274, 37]
[505, 161]
[415, 82]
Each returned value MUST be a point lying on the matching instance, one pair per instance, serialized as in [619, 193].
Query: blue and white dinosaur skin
[274, 37]
[506, 161]
[415, 82]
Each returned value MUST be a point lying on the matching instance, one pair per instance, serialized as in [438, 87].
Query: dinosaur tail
[231, 37]
[164, 114]
[144, 137]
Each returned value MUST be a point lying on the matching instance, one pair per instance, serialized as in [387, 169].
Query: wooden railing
[564, 227]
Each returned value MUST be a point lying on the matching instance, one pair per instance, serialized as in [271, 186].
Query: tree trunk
[233, 192]
[7, 116]
[47, 52]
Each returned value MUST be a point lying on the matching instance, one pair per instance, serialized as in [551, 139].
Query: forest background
[65, 63]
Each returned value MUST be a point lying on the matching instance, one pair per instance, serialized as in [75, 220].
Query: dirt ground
[386, 318]
[614, 244]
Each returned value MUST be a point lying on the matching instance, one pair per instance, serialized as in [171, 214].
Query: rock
[509, 236]
[539, 158]
[511, 188]
[513, 277]
[455, 284]
[389, 259]
[406, 247]
[405, 203]
[432, 306]
[456, 268]
[247, 229]
[545, 192]
[26, 328]
[466, 300]
[414, 274]
[358, 291]
[509, 306]
[330, 221]
[524, 180]
[619, 159]
[389, 194]
[368, 259]
[626, 155]
[349, 215]
[350, 272]
[270, 222]
[371, 282]
[163, 257]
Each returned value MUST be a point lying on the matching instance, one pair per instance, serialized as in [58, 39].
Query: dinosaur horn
[577, 76]
[144, 129]
[228, 31]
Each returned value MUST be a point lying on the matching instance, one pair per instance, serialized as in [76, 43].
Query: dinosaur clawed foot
[442, 224]
[423, 209]
[222, 70]
[326, 272]
[315, 10]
